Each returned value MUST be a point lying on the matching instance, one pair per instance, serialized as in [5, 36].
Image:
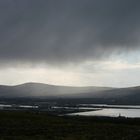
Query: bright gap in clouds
[113, 72]
[100, 38]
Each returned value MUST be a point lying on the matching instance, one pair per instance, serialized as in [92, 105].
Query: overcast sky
[70, 42]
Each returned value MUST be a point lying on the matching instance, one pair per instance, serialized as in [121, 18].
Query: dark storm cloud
[61, 31]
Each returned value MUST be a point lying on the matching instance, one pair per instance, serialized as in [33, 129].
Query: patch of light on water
[112, 112]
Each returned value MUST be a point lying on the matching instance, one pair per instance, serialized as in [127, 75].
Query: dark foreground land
[25, 125]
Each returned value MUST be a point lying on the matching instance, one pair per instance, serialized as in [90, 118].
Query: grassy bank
[19, 125]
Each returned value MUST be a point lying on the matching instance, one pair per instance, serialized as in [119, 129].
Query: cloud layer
[59, 32]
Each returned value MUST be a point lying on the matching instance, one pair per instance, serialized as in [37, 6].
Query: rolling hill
[39, 90]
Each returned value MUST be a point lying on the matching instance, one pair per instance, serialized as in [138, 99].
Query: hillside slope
[37, 90]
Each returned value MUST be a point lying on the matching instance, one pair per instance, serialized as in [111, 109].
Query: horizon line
[34, 82]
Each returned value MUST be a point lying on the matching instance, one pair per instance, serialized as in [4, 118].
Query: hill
[39, 90]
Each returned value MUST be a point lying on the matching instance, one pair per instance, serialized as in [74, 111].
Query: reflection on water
[112, 106]
[2, 106]
[112, 112]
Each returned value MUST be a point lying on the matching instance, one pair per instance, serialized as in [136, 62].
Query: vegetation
[21, 125]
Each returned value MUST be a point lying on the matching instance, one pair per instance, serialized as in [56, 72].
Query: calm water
[112, 106]
[20, 106]
[112, 112]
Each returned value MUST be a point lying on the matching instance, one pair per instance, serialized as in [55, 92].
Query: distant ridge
[35, 83]
[37, 90]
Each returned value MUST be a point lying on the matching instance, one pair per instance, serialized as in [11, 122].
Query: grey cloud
[65, 31]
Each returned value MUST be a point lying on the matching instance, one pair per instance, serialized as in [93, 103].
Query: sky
[70, 42]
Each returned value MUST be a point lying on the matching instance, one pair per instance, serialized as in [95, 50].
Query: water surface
[112, 112]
